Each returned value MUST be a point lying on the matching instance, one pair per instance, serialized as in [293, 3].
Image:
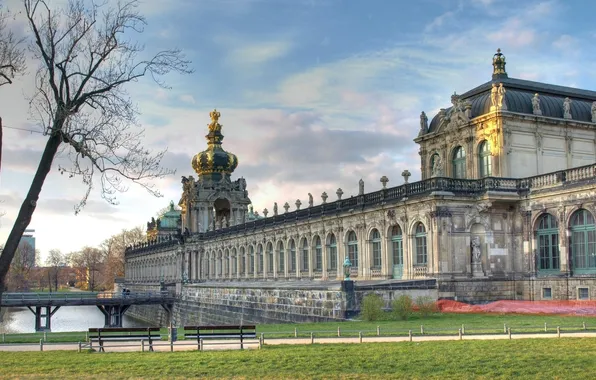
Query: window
[332, 252]
[242, 261]
[281, 262]
[226, 263]
[353, 249]
[459, 162]
[397, 246]
[583, 242]
[234, 262]
[261, 259]
[270, 257]
[583, 293]
[251, 260]
[484, 160]
[376, 248]
[420, 243]
[548, 243]
[305, 255]
[292, 256]
[547, 293]
[318, 254]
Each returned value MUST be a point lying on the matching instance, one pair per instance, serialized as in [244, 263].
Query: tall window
[397, 246]
[583, 241]
[548, 243]
[459, 162]
[318, 254]
[332, 252]
[270, 257]
[251, 260]
[226, 263]
[484, 160]
[305, 255]
[261, 259]
[353, 249]
[292, 256]
[420, 242]
[376, 248]
[281, 262]
[234, 262]
[219, 264]
[242, 261]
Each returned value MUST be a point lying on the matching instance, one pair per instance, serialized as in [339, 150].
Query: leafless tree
[12, 53]
[54, 262]
[91, 259]
[87, 57]
[114, 248]
[20, 269]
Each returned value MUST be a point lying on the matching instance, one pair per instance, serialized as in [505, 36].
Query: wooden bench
[201, 333]
[123, 334]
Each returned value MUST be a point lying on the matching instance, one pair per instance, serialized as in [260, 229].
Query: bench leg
[101, 346]
[150, 344]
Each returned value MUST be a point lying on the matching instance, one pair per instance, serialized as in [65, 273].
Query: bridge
[113, 305]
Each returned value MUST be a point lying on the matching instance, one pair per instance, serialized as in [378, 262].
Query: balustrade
[420, 271]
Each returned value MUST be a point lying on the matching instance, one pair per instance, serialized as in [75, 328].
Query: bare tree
[12, 53]
[91, 260]
[20, 269]
[54, 262]
[86, 59]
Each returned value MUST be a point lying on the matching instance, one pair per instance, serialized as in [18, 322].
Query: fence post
[558, 332]
[41, 345]
[505, 328]
[171, 345]
[584, 324]
[360, 336]
[295, 332]
[545, 330]
[460, 333]
[142, 345]
[463, 329]
[262, 339]
[79, 346]
[410, 334]
[422, 329]
[509, 332]
[312, 338]
[338, 332]
[201, 345]
[378, 330]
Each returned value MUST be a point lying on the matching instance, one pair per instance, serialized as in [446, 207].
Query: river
[67, 318]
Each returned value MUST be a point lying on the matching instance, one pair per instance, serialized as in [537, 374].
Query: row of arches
[457, 167]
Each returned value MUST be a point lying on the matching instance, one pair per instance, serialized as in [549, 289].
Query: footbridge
[113, 305]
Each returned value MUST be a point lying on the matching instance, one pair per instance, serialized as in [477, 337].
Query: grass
[500, 359]
[435, 324]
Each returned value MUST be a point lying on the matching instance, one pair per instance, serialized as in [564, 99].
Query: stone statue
[310, 200]
[250, 210]
[501, 93]
[275, 209]
[593, 112]
[494, 95]
[423, 123]
[476, 252]
[361, 187]
[536, 105]
[437, 168]
[567, 108]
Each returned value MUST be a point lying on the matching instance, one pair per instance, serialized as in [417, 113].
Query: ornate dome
[214, 162]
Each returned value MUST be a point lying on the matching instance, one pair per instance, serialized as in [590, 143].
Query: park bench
[123, 334]
[221, 333]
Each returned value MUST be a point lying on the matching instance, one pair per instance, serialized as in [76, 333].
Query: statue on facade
[567, 108]
[593, 112]
[275, 209]
[476, 252]
[536, 105]
[437, 166]
[310, 200]
[423, 123]
[501, 96]
[361, 187]
[494, 95]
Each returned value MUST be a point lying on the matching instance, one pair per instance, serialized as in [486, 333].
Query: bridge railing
[9, 298]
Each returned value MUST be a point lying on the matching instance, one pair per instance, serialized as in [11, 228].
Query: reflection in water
[67, 318]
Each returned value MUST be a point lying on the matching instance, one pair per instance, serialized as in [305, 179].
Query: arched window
[260, 259]
[251, 260]
[375, 239]
[583, 242]
[226, 263]
[270, 257]
[397, 251]
[292, 257]
[219, 263]
[234, 263]
[548, 243]
[353, 248]
[459, 162]
[318, 254]
[281, 262]
[485, 167]
[305, 259]
[332, 252]
[420, 244]
[242, 261]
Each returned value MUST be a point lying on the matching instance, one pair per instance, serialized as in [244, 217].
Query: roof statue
[499, 66]
[214, 125]
[536, 105]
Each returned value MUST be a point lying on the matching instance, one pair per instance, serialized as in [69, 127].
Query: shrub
[402, 307]
[426, 306]
[372, 307]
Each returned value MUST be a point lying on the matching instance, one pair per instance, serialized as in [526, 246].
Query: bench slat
[247, 327]
[123, 329]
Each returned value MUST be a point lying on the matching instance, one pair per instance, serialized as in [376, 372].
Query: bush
[402, 307]
[426, 306]
[372, 307]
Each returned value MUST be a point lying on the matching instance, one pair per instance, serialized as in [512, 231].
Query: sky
[313, 95]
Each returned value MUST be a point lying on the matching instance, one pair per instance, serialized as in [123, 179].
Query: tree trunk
[30, 201]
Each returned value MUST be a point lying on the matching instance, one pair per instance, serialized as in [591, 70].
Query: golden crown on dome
[214, 160]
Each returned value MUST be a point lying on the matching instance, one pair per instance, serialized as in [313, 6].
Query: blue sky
[314, 95]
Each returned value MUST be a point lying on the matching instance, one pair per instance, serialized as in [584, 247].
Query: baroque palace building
[507, 196]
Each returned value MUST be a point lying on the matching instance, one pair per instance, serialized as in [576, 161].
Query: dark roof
[518, 98]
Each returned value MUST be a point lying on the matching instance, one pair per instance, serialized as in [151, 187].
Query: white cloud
[259, 53]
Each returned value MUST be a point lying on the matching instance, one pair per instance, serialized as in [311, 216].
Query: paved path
[254, 344]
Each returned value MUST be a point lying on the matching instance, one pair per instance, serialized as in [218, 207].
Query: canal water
[67, 318]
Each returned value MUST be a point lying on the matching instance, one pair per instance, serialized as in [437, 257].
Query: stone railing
[420, 271]
[375, 272]
[462, 187]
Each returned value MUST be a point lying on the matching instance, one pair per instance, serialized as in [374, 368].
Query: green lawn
[565, 358]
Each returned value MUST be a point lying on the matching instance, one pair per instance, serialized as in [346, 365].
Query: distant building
[27, 244]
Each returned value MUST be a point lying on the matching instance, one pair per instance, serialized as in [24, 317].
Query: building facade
[505, 209]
